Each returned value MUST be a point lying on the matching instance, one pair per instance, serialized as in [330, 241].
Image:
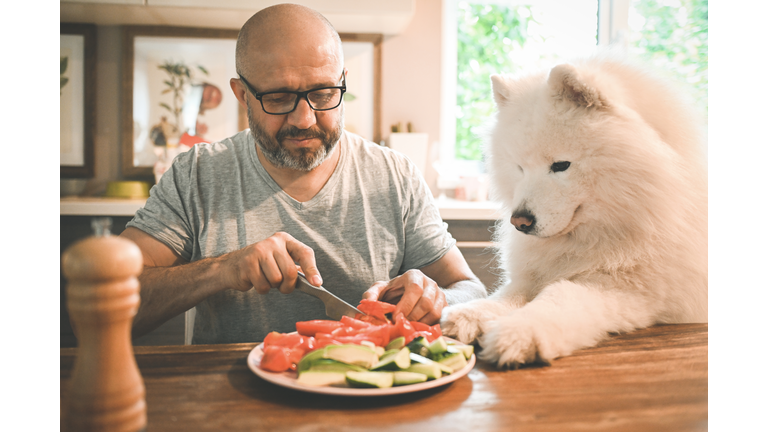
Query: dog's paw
[463, 321]
[511, 342]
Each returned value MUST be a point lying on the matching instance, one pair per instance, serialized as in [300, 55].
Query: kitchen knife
[335, 307]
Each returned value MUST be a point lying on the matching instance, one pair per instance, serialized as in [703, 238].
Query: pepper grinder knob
[107, 391]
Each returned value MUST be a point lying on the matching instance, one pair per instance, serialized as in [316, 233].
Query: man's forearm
[168, 291]
[464, 291]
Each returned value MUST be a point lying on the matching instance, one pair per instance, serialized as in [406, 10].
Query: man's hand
[417, 296]
[270, 264]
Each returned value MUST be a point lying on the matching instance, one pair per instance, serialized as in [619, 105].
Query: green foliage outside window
[673, 35]
[487, 34]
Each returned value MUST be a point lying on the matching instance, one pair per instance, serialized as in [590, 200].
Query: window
[482, 37]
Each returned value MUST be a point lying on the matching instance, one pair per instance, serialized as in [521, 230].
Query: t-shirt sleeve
[165, 215]
[426, 235]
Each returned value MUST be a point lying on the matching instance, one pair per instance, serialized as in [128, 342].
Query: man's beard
[305, 159]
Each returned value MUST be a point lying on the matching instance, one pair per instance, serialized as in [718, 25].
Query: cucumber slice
[396, 344]
[329, 365]
[438, 346]
[358, 355]
[370, 379]
[419, 346]
[415, 358]
[321, 378]
[394, 360]
[407, 378]
[307, 360]
[431, 371]
[467, 350]
[455, 360]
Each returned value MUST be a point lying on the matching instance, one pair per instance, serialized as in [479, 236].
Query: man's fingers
[375, 291]
[288, 272]
[305, 257]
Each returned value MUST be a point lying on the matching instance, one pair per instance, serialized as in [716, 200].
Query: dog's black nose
[523, 221]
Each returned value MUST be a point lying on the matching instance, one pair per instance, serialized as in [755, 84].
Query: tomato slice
[404, 328]
[276, 359]
[354, 323]
[376, 308]
[312, 327]
[289, 340]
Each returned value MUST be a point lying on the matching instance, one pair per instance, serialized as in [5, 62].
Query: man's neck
[302, 185]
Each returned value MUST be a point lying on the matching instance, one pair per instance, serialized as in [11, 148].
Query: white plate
[288, 379]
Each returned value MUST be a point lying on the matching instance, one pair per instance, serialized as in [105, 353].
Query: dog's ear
[500, 89]
[566, 84]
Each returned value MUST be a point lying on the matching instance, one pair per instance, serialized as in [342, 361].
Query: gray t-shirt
[375, 218]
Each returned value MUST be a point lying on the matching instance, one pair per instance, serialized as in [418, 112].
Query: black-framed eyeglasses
[284, 102]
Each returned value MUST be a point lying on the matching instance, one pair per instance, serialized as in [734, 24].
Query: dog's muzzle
[523, 220]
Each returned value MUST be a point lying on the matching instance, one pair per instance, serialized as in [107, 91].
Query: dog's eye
[560, 166]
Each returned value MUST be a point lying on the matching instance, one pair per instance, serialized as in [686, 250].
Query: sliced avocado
[394, 360]
[329, 365]
[307, 360]
[370, 379]
[358, 355]
[396, 343]
[419, 346]
[322, 378]
[406, 378]
[455, 360]
[438, 346]
[431, 371]
[415, 358]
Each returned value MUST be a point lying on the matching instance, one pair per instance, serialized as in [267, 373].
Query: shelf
[450, 209]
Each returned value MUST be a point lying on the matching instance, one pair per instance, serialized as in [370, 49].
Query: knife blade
[335, 307]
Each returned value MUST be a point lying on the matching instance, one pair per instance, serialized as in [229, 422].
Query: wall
[411, 77]
[410, 88]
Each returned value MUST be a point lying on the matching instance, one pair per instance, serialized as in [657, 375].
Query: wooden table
[650, 380]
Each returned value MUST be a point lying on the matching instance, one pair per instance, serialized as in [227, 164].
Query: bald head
[286, 34]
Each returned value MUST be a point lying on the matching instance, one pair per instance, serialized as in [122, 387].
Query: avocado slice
[358, 355]
[370, 379]
[407, 378]
[322, 378]
[394, 360]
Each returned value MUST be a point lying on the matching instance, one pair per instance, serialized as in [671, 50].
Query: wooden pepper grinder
[107, 391]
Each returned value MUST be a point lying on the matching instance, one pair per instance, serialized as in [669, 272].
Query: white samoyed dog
[600, 169]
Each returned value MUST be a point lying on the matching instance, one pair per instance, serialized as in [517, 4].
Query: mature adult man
[294, 190]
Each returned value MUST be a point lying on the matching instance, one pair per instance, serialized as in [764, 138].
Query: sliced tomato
[436, 330]
[354, 323]
[378, 334]
[310, 328]
[289, 340]
[404, 328]
[376, 308]
[294, 356]
[275, 359]
[371, 319]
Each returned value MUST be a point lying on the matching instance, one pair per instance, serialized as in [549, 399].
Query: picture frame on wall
[77, 99]
[176, 92]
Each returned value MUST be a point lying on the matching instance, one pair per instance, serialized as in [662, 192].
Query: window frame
[612, 29]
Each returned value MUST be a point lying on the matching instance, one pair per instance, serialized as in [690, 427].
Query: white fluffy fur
[620, 240]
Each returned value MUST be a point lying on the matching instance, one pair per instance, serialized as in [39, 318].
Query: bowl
[127, 189]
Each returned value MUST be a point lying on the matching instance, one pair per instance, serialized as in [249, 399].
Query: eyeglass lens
[322, 99]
